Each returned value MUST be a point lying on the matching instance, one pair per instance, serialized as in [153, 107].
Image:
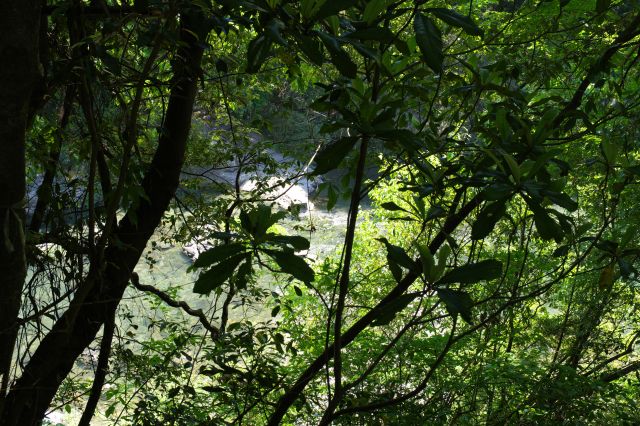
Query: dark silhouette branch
[215, 332]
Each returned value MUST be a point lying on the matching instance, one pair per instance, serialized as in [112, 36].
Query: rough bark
[52, 361]
[19, 25]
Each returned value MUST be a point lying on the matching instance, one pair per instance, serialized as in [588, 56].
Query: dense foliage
[481, 158]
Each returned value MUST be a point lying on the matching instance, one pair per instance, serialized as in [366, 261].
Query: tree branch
[215, 333]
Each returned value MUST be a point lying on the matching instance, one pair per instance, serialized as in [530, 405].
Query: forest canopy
[361, 212]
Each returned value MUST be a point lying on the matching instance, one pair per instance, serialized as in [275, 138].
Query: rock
[285, 195]
[199, 244]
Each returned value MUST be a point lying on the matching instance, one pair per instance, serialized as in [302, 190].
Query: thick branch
[617, 374]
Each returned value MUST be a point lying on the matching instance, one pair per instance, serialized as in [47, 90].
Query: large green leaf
[339, 57]
[292, 264]
[257, 53]
[312, 48]
[399, 256]
[216, 254]
[333, 7]
[218, 274]
[372, 10]
[332, 154]
[391, 206]
[487, 219]
[381, 34]
[561, 199]
[296, 241]
[454, 19]
[429, 40]
[473, 272]
[457, 302]
[548, 229]
[258, 220]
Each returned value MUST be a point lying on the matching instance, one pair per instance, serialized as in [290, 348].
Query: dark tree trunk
[100, 294]
[19, 33]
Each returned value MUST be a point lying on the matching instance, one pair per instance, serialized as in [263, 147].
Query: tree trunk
[53, 360]
[19, 25]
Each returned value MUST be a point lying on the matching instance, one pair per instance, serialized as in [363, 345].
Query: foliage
[486, 156]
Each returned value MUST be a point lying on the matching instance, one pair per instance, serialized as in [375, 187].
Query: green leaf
[406, 138]
[606, 277]
[217, 275]
[513, 166]
[429, 40]
[309, 8]
[296, 241]
[293, 265]
[312, 48]
[242, 276]
[435, 211]
[245, 221]
[216, 254]
[487, 219]
[428, 263]
[258, 220]
[547, 228]
[381, 34]
[391, 206]
[332, 197]
[610, 151]
[397, 255]
[561, 251]
[275, 311]
[372, 10]
[110, 410]
[333, 7]
[457, 302]
[339, 57]
[561, 199]
[388, 312]
[502, 124]
[213, 389]
[332, 154]
[473, 272]
[456, 20]
[443, 255]
[497, 191]
[257, 53]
